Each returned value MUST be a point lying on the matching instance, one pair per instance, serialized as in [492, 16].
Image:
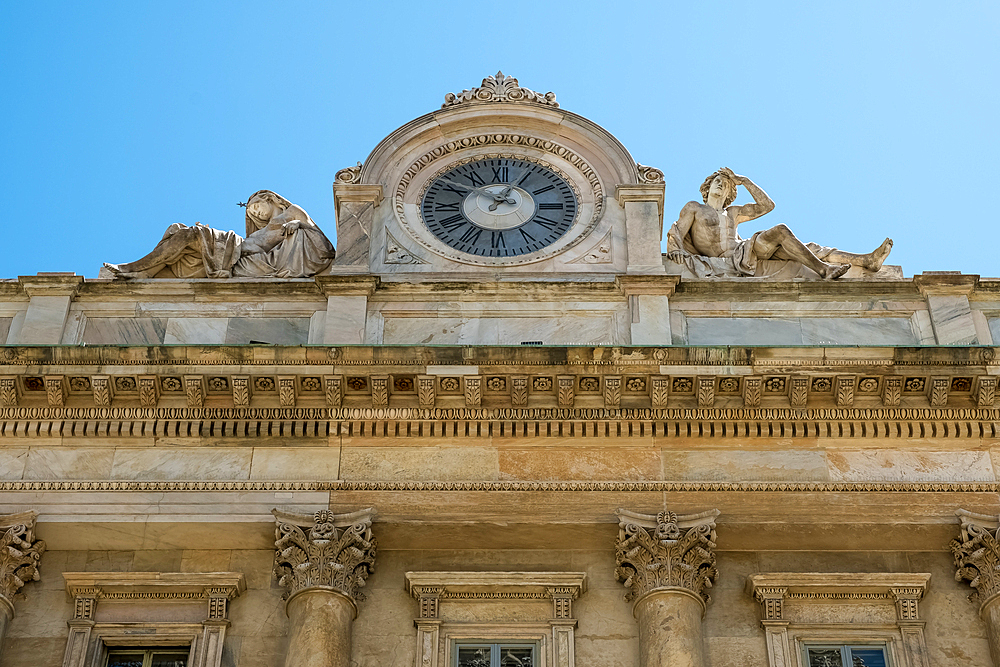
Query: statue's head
[722, 182]
[262, 205]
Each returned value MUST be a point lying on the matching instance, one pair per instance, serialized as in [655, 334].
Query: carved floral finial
[335, 551]
[665, 550]
[499, 88]
[19, 553]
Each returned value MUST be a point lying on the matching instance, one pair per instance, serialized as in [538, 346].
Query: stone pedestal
[670, 628]
[323, 560]
[666, 563]
[19, 556]
[320, 621]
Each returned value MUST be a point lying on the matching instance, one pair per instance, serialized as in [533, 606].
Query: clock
[499, 207]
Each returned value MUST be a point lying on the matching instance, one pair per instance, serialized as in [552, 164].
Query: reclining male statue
[709, 230]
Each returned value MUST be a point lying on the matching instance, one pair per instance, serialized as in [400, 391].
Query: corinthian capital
[977, 553]
[324, 550]
[19, 553]
[666, 550]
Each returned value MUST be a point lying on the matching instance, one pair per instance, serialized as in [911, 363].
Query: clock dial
[499, 207]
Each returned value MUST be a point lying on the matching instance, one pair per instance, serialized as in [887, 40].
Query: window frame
[844, 648]
[491, 644]
[148, 651]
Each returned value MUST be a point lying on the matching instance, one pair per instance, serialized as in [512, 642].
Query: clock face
[500, 207]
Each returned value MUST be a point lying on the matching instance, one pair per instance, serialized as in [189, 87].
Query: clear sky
[860, 119]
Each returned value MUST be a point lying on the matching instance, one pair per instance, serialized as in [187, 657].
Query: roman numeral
[471, 235]
[451, 188]
[545, 189]
[497, 240]
[546, 223]
[549, 207]
[499, 174]
[475, 178]
[528, 238]
[439, 206]
[453, 222]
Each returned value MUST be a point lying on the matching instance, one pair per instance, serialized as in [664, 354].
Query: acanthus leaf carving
[329, 550]
[148, 391]
[612, 391]
[334, 387]
[195, 390]
[845, 390]
[939, 391]
[987, 391]
[499, 88]
[519, 391]
[426, 395]
[473, 390]
[286, 392]
[977, 554]
[892, 390]
[395, 253]
[241, 391]
[20, 553]
[706, 391]
[10, 394]
[665, 550]
[380, 391]
[55, 390]
[660, 390]
[751, 391]
[798, 394]
[567, 393]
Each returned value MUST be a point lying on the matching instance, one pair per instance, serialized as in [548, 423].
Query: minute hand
[460, 185]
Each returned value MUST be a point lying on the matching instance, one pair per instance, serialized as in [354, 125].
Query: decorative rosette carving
[499, 88]
[665, 550]
[977, 554]
[20, 553]
[328, 550]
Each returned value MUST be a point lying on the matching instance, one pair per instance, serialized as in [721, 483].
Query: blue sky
[860, 119]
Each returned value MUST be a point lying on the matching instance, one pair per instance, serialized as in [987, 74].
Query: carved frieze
[977, 554]
[665, 550]
[326, 549]
[20, 553]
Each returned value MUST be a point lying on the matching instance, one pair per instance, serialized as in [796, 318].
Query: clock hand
[502, 198]
[460, 185]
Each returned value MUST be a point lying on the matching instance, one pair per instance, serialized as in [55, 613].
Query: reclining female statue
[282, 242]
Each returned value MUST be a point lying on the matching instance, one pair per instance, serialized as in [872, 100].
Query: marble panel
[745, 466]
[12, 463]
[270, 330]
[124, 330]
[678, 328]
[196, 331]
[181, 463]
[5, 327]
[67, 463]
[568, 329]
[952, 319]
[652, 326]
[45, 320]
[315, 463]
[418, 463]
[743, 331]
[898, 466]
[857, 331]
[543, 463]
[345, 320]
[995, 327]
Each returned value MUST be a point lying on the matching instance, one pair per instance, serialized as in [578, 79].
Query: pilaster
[947, 296]
[48, 309]
[347, 308]
[323, 560]
[666, 563]
[643, 204]
[355, 205]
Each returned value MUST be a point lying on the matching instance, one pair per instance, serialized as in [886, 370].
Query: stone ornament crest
[325, 550]
[499, 88]
[19, 554]
[665, 550]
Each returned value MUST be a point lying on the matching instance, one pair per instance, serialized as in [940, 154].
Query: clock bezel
[566, 164]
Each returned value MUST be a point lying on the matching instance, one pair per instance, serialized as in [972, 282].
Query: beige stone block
[109, 561]
[260, 613]
[607, 651]
[737, 651]
[580, 463]
[13, 462]
[261, 651]
[181, 463]
[206, 560]
[67, 463]
[901, 466]
[44, 651]
[156, 560]
[42, 613]
[314, 463]
[744, 466]
[256, 565]
[419, 463]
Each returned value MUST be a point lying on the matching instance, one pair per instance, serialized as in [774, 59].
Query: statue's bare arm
[762, 204]
[680, 229]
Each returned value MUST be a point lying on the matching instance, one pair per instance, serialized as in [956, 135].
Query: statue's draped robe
[305, 252]
[216, 254]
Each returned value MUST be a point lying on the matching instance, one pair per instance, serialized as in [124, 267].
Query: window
[846, 656]
[495, 655]
[157, 657]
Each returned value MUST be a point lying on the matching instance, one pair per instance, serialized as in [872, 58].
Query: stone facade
[419, 450]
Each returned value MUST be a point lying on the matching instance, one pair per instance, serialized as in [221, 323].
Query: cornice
[610, 486]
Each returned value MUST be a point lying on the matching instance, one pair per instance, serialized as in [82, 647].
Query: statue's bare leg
[780, 242]
[871, 261]
[167, 251]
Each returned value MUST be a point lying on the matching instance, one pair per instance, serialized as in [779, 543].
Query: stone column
[323, 560]
[19, 556]
[666, 563]
[643, 204]
[977, 560]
